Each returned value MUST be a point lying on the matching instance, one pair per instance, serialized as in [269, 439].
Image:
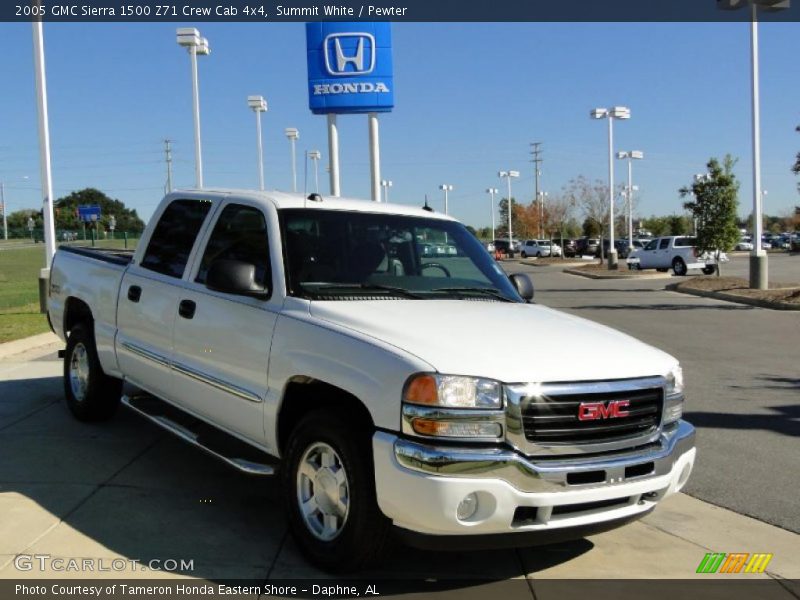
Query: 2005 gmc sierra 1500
[370, 354]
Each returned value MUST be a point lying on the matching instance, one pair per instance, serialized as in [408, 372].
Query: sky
[469, 100]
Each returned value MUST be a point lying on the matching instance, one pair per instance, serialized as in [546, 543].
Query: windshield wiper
[367, 287]
[476, 290]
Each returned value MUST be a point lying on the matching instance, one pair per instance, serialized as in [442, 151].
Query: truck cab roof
[285, 200]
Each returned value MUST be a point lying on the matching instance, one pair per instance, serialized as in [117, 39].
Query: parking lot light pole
[386, 184]
[292, 134]
[758, 257]
[508, 175]
[630, 155]
[315, 156]
[189, 38]
[616, 112]
[446, 188]
[492, 192]
[259, 105]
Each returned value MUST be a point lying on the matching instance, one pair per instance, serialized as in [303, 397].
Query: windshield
[330, 254]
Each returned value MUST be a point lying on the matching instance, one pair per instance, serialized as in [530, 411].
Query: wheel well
[76, 311]
[304, 395]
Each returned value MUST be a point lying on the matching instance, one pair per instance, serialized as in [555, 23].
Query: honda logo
[591, 411]
[349, 53]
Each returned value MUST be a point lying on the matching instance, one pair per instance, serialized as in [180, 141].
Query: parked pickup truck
[312, 338]
[676, 252]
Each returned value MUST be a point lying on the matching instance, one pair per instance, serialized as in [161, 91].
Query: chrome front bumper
[550, 474]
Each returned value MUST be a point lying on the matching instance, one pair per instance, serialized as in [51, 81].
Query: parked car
[743, 244]
[620, 245]
[588, 246]
[537, 248]
[247, 324]
[555, 249]
[503, 247]
[676, 252]
[570, 247]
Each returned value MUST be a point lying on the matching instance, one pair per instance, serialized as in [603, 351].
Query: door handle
[134, 293]
[186, 309]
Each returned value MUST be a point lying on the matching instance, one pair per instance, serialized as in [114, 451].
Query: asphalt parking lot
[126, 490]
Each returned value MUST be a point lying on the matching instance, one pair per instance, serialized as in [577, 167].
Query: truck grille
[554, 418]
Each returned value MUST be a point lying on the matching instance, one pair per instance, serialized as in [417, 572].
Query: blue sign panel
[88, 213]
[349, 67]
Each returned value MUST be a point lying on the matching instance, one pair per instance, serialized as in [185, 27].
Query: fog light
[467, 507]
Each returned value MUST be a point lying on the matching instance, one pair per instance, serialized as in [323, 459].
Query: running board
[215, 442]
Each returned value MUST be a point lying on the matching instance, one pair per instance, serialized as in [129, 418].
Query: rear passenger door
[148, 300]
[222, 340]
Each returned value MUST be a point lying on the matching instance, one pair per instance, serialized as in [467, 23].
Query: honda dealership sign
[349, 67]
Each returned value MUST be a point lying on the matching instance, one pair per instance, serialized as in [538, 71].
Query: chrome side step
[198, 433]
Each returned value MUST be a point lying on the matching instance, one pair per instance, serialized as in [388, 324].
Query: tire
[524, 255]
[538, 255]
[709, 270]
[359, 538]
[91, 395]
[679, 267]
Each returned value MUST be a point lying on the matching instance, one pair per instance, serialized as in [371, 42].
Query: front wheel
[91, 394]
[524, 254]
[329, 489]
[709, 269]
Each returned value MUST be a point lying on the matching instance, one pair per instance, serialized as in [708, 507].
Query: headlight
[673, 407]
[453, 391]
[675, 381]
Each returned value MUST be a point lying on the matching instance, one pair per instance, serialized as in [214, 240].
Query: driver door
[647, 255]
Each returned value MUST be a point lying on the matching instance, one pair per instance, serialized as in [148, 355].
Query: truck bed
[116, 256]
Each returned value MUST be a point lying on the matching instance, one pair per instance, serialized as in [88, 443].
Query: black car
[588, 246]
[570, 247]
[620, 245]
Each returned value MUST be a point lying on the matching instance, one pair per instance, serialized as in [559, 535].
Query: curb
[673, 287]
[589, 275]
[8, 349]
[534, 263]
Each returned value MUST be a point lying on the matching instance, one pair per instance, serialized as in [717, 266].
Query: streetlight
[508, 175]
[189, 38]
[293, 135]
[542, 196]
[315, 156]
[630, 155]
[386, 184]
[758, 258]
[446, 188]
[492, 192]
[259, 105]
[616, 112]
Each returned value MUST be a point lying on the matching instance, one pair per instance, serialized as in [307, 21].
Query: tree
[66, 211]
[559, 213]
[714, 207]
[516, 224]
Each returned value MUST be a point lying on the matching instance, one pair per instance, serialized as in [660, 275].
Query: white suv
[537, 248]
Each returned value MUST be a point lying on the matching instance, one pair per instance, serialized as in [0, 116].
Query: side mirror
[523, 285]
[234, 277]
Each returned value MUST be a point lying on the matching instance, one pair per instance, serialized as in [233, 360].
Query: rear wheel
[524, 254]
[679, 267]
[709, 269]
[329, 489]
[91, 394]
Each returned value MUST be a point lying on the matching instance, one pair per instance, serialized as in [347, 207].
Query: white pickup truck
[676, 252]
[314, 338]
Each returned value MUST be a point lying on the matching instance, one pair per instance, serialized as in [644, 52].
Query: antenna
[427, 206]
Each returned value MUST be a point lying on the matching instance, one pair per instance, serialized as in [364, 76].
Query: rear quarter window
[683, 242]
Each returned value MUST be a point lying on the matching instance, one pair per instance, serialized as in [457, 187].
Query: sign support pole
[333, 154]
[374, 156]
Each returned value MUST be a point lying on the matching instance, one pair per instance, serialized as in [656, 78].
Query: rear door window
[174, 236]
[664, 244]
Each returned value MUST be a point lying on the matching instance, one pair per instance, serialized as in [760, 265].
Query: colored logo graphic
[349, 67]
[735, 562]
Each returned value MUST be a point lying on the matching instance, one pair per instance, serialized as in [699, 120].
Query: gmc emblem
[590, 411]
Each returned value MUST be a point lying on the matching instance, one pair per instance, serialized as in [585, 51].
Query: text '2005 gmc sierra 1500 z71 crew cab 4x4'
[353, 346]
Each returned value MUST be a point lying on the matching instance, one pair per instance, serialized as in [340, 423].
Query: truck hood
[509, 342]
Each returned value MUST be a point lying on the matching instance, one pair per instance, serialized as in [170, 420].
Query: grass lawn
[19, 288]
